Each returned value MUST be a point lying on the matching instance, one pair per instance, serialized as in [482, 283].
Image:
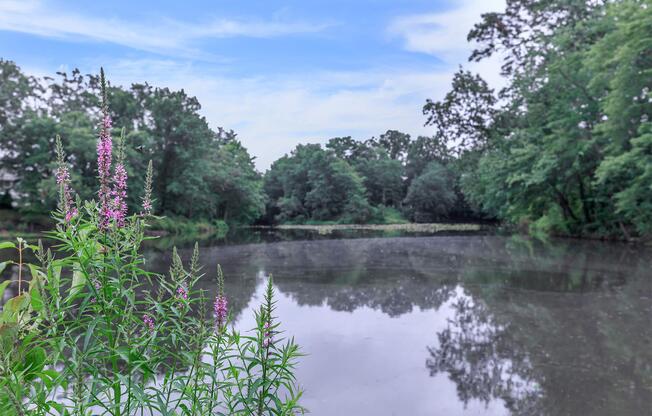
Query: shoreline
[410, 227]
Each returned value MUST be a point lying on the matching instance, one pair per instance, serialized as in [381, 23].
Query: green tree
[314, 184]
[570, 132]
[395, 143]
[431, 196]
[236, 184]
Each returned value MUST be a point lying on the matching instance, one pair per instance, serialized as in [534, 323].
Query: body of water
[454, 325]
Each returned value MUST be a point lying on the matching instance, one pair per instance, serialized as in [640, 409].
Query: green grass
[391, 215]
[407, 227]
[384, 215]
[188, 228]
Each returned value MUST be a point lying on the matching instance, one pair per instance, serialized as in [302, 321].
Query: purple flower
[267, 340]
[62, 175]
[97, 286]
[119, 194]
[149, 323]
[220, 308]
[182, 293]
[104, 157]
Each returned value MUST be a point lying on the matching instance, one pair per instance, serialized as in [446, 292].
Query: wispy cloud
[443, 34]
[271, 114]
[275, 108]
[165, 36]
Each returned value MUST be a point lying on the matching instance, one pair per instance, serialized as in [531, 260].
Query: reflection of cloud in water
[366, 362]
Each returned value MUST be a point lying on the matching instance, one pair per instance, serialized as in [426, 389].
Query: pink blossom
[182, 293]
[119, 195]
[267, 341]
[147, 207]
[149, 323]
[104, 157]
[147, 197]
[220, 308]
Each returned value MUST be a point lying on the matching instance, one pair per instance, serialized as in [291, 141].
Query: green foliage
[465, 115]
[568, 150]
[313, 184]
[390, 215]
[382, 177]
[634, 168]
[190, 229]
[201, 174]
[95, 332]
[431, 196]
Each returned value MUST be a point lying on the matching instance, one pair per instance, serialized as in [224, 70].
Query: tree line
[199, 173]
[565, 147]
[205, 174]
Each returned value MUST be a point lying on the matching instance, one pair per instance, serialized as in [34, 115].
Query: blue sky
[278, 73]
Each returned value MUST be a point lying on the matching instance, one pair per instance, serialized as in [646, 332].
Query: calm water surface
[455, 325]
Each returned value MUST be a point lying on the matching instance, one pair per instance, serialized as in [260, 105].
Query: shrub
[94, 332]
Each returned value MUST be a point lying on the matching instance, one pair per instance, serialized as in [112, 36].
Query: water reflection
[454, 324]
[472, 352]
[505, 325]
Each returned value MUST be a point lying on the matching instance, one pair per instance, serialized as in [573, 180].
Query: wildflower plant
[95, 333]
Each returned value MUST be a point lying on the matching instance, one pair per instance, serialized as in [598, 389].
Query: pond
[452, 324]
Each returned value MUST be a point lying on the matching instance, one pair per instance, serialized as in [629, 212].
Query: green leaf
[15, 305]
[34, 292]
[4, 264]
[35, 298]
[7, 244]
[3, 286]
[89, 333]
[78, 280]
[34, 362]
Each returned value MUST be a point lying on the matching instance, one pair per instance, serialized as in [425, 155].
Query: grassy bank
[409, 227]
[187, 227]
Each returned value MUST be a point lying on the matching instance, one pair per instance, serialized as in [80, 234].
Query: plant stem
[20, 265]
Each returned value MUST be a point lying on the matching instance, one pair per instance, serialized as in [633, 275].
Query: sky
[278, 73]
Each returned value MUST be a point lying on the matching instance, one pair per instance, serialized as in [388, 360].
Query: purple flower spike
[267, 341]
[221, 310]
[149, 323]
[104, 157]
[119, 194]
[182, 293]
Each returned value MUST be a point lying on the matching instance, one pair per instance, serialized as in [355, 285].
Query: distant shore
[410, 227]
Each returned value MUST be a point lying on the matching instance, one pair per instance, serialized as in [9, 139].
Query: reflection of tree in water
[559, 328]
[350, 274]
[472, 350]
[553, 330]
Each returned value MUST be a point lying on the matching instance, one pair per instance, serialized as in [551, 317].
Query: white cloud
[162, 36]
[273, 114]
[443, 33]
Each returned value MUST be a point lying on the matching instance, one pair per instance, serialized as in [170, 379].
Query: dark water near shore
[457, 324]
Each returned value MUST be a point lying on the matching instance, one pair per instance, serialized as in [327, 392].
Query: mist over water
[456, 325]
